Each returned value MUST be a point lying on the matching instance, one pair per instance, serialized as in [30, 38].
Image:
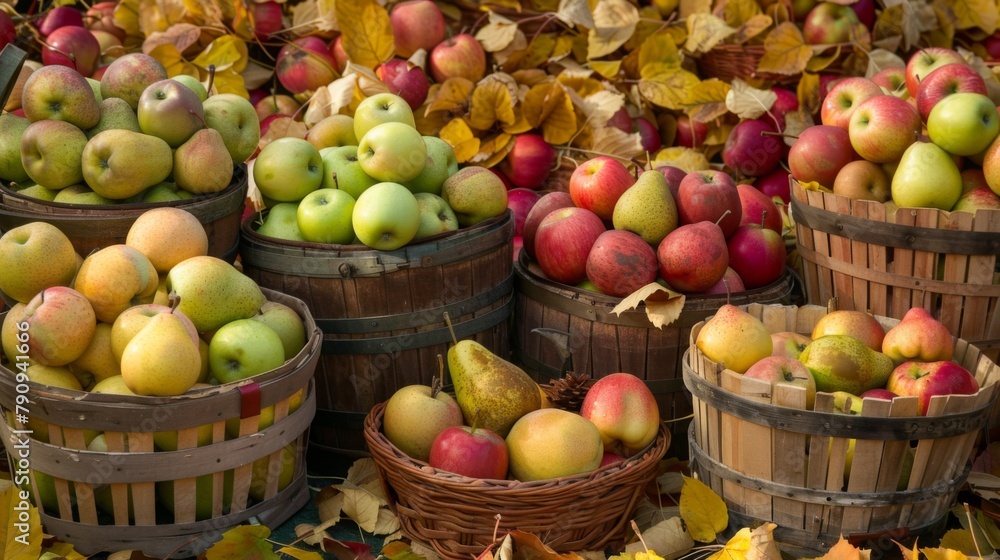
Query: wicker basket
[456, 515]
[727, 62]
[108, 501]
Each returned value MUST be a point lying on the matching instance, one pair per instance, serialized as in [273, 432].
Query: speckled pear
[492, 392]
[647, 208]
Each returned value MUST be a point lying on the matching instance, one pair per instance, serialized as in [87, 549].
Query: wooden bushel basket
[95, 226]
[456, 515]
[875, 260]
[771, 459]
[382, 313]
[85, 484]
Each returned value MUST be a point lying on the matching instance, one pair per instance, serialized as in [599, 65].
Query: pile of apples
[134, 135]
[370, 178]
[697, 232]
[923, 135]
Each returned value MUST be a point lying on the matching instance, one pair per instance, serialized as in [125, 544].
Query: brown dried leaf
[366, 31]
[795, 123]
[528, 545]
[498, 34]
[598, 107]
[454, 96]
[331, 99]
[668, 88]
[705, 31]
[880, 59]
[785, 51]
[616, 143]
[459, 135]
[614, 23]
[752, 28]
[314, 16]
[181, 35]
[362, 507]
[663, 305]
[575, 12]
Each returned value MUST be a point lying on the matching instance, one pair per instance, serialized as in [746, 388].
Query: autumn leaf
[549, 107]
[598, 107]
[454, 96]
[763, 545]
[687, 159]
[979, 14]
[607, 68]
[491, 104]
[663, 305]
[399, 550]
[705, 31]
[881, 59]
[226, 52]
[614, 23]
[366, 31]
[737, 12]
[736, 547]
[244, 541]
[314, 16]
[900, 19]
[962, 542]
[348, 550]
[300, 554]
[209, 13]
[795, 123]
[785, 51]
[707, 100]
[498, 34]
[64, 551]
[942, 553]
[748, 102]
[575, 12]
[616, 143]
[171, 59]
[668, 88]
[528, 545]
[686, 8]
[822, 58]
[668, 538]
[229, 81]
[658, 53]
[844, 550]
[752, 28]
[807, 92]
[462, 140]
[703, 510]
[181, 35]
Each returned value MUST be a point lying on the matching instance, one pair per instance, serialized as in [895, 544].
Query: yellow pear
[97, 361]
[734, 338]
[161, 359]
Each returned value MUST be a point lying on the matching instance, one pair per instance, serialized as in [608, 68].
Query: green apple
[170, 110]
[164, 191]
[324, 216]
[11, 129]
[34, 190]
[35, 255]
[194, 84]
[80, 194]
[281, 222]
[386, 216]
[475, 194]
[115, 113]
[244, 348]
[381, 108]
[60, 93]
[286, 322]
[236, 120]
[927, 177]
[341, 170]
[334, 130]
[393, 152]
[435, 215]
[441, 164]
[963, 123]
[287, 169]
[51, 153]
[95, 86]
[121, 163]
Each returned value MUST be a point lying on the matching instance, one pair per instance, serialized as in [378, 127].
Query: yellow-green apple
[963, 123]
[51, 153]
[929, 379]
[35, 190]
[324, 216]
[97, 362]
[275, 104]
[165, 191]
[129, 75]
[378, 109]
[757, 254]
[470, 451]
[286, 322]
[406, 80]
[730, 283]
[918, 336]
[475, 194]
[435, 215]
[944, 81]
[287, 169]
[332, 131]
[167, 236]
[528, 163]
[882, 127]
[709, 195]
[392, 151]
[784, 370]
[759, 208]
[305, 65]
[60, 93]
[213, 292]
[752, 148]
[341, 170]
[286, 473]
[776, 183]
[563, 241]
[788, 343]
[734, 338]
[195, 85]
[115, 113]
[244, 348]
[11, 129]
[551, 443]
[119, 163]
[598, 183]
[863, 180]
[441, 164]
[841, 362]
[892, 80]
[129, 322]
[61, 323]
[625, 412]
[59, 16]
[549, 201]
[36, 255]
[926, 177]
[115, 278]
[829, 22]
[236, 120]
[520, 201]
[169, 110]
[386, 216]
[281, 222]
[74, 47]
[859, 324]
[416, 24]
[921, 63]
[977, 198]
[819, 153]
[693, 257]
[459, 56]
[991, 166]
[81, 194]
[415, 415]
[844, 97]
[620, 262]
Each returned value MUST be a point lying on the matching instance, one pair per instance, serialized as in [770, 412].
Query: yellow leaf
[815, 186]
[65, 551]
[576, 12]
[366, 31]
[658, 49]
[244, 541]
[687, 159]
[979, 14]
[616, 143]
[538, 52]
[228, 51]
[454, 96]
[299, 553]
[498, 34]
[705, 31]
[703, 511]
[600, 106]
[961, 543]
[399, 550]
[528, 545]
[210, 13]
[229, 81]
[181, 35]
[785, 51]
[607, 68]
[562, 48]
[844, 550]
[752, 28]
[686, 8]
[668, 538]
[614, 23]
[762, 543]
[492, 149]
[314, 16]
[945, 554]
[387, 522]
[171, 59]
[663, 306]
[668, 88]
[491, 102]
[747, 102]
[820, 61]
[459, 135]
[807, 92]
[737, 12]
[549, 107]
[899, 19]
[736, 547]
[718, 134]
[20, 530]
[707, 100]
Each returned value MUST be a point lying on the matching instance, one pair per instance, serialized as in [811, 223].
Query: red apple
[844, 97]
[621, 120]
[707, 196]
[406, 80]
[926, 60]
[883, 127]
[892, 81]
[788, 343]
[338, 53]
[621, 262]
[267, 18]
[674, 176]
[758, 208]
[625, 412]
[72, 46]
[776, 184]
[757, 254]
[471, 452]
[945, 80]
[784, 370]
[416, 24]
[787, 102]
[730, 283]
[752, 149]
[60, 16]
[992, 46]
[863, 180]
[819, 153]
[547, 203]
[829, 23]
[101, 17]
[563, 241]
[927, 379]
[529, 162]
[977, 198]
[598, 183]
[305, 65]
[503, 177]
[884, 394]
[518, 244]
[865, 10]
[257, 94]
[690, 133]
[521, 201]
[648, 133]
[693, 257]
[461, 56]
[826, 81]
[610, 458]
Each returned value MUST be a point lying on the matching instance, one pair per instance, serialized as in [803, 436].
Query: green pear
[194, 84]
[11, 129]
[202, 164]
[647, 208]
[80, 194]
[165, 191]
[236, 119]
[841, 362]
[35, 190]
[51, 153]
[121, 163]
[926, 177]
[213, 292]
[281, 222]
[492, 392]
[161, 359]
[115, 113]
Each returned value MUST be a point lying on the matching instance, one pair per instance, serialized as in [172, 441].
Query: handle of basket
[249, 400]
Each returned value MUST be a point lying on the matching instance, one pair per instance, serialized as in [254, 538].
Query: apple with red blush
[828, 23]
[776, 184]
[674, 176]
[784, 370]
[892, 81]
[730, 283]
[883, 394]
[928, 379]
[819, 153]
[416, 24]
[924, 61]
[753, 148]
[72, 46]
[610, 458]
[60, 16]
[758, 208]
[844, 97]
[707, 196]
[406, 80]
[621, 119]
[946, 80]
[305, 64]
[625, 411]
[520, 201]
[563, 241]
[267, 19]
[598, 183]
[470, 451]
[757, 254]
[620, 262]
[543, 206]
[338, 53]
[788, 343]
[460, 56]
[530, 161]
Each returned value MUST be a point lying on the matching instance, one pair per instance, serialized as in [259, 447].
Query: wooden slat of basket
[756, 451]
[955, 266]
[981, 271]
[840, 249]
[729, 443]
[865, 467]
[823, 278]
[817, 516]
[924, 262]
[789, 468]
[892, 463]
[859, 254]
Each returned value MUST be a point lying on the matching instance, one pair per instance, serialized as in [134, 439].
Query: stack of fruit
[501, 424]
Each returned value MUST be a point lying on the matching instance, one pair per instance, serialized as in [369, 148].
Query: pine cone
[568, 393]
